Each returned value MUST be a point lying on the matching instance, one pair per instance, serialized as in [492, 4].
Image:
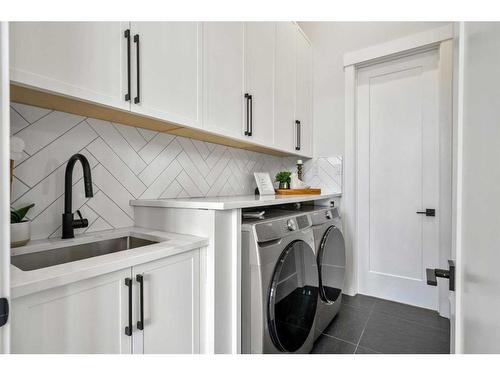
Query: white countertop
[231, 202]
[27, 282]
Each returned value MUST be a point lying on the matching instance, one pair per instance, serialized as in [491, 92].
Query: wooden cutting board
[312, 191]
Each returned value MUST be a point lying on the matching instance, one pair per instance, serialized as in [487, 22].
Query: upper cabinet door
[167, 82]
[87, 60]
[223, 68]
[260, 43]
[285, 81]
[303, 102]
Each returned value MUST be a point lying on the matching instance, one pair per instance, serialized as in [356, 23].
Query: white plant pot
[20, 233]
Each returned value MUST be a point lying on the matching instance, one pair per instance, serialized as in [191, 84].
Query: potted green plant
[283, 178]
[20, 229]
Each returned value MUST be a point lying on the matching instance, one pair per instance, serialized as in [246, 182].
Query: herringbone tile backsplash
[130, 163]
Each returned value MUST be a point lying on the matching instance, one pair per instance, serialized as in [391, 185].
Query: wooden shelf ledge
[37, 98]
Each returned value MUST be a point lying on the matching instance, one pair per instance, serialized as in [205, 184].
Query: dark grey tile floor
[369, 325]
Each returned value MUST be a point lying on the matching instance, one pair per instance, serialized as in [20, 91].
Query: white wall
[330, 41]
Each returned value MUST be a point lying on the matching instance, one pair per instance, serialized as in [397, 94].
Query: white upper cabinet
[260, 43]
[303, 101]
[86, 60]
[285, 86]
[168, 84]
[223, 77]
[251, 81]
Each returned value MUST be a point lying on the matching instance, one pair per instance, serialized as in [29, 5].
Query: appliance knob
[329, 215]
[290, 224]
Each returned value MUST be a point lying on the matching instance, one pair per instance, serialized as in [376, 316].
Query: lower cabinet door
[88, 316]
[171, 305]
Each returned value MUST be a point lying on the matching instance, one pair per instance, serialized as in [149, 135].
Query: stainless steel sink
[48, 258]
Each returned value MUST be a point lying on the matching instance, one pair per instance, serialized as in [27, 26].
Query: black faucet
[68, 221]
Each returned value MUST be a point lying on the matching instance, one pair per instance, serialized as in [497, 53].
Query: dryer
[280, 285]
[330, 257]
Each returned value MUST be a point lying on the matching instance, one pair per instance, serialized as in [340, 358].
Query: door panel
[86, 60]
[260, 41]
[478, 203]
[223, 68]
[303, 102]
[398, 130]
[170, 71]
[86, 317]
[286, 46]
[171, 305]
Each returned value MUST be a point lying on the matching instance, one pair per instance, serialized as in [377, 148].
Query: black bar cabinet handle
[137, 99]
[251, 116]
[297, 129]
[247, 125]
[127, 36]
[140, 280]
[128, 329]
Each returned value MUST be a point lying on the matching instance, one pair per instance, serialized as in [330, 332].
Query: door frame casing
[4, 180]
[441, 39]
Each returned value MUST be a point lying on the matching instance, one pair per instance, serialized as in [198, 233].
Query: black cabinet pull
[248, 98]
[251, 116]
[140, 280]
[137, 99]
[297, 129]
[127, 36]
[128, 329]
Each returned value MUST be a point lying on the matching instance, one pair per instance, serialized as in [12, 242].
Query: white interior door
[4, 183]
[478, 206]
[399, 174]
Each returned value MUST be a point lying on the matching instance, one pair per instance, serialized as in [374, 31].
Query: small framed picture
[264, 183]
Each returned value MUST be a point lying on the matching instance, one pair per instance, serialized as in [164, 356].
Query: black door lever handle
[428, 212]
[434, 273]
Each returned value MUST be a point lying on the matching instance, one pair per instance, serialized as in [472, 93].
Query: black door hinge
[4, 311]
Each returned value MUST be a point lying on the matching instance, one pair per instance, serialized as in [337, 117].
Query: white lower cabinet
[171, 306]
[88, 316]
[92, 316]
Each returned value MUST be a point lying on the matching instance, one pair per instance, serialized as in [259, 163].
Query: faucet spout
[68, 222]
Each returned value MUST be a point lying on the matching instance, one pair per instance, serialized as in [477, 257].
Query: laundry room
[283, 183]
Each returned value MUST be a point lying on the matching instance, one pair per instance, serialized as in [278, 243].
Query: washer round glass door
[293, 297]
[331, 265]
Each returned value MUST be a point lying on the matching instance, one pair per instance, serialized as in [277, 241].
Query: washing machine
[280, 285]
[330, 256]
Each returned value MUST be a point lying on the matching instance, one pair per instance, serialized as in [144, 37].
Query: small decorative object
[20, 229]
[283, 178]
[264, 183]
[296, 183]
[300, 166]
